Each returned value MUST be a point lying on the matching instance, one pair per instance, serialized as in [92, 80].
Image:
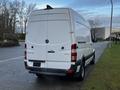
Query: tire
[39, 75]
[93, 59]
[81, 74]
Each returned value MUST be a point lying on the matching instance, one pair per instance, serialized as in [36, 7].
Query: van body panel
[55, 28]
[50, 35]
[36, 38]
[59, 41]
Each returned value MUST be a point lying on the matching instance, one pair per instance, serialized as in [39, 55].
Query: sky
[90, 9]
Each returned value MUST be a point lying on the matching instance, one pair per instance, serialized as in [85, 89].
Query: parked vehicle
[58, 42]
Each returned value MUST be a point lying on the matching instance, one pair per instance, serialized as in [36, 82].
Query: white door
[59, 46]
[36, 40]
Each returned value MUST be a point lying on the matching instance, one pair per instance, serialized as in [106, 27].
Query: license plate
[36, 64]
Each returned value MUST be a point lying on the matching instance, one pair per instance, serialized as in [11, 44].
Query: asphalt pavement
[13, 75]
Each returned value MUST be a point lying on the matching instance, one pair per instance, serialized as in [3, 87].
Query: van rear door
[59, 37]
[49, 34]
[36, 36]
[59, 46]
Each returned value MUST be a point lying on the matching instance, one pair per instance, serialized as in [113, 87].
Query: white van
[58, 42]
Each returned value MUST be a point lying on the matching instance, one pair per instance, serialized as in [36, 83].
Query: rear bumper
[47, 71]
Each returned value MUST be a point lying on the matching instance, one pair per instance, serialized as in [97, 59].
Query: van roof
[54, 10]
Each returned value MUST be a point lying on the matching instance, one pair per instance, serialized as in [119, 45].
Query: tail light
[73, 52]
[25, 52]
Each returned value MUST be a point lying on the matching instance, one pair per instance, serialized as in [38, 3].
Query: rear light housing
[73, 52]
[25, 55]
[25, 46]
[70, 72]
[25, 52]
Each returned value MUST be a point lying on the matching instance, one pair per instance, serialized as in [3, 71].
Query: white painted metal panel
[59, 36]
[36, 36]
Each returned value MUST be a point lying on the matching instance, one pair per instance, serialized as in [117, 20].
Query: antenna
[48, 7]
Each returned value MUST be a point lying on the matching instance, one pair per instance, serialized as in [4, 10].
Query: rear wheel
[81, 73]
[39, 75]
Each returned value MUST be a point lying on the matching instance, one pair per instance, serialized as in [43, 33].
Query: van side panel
[82, 35]
[50, 37]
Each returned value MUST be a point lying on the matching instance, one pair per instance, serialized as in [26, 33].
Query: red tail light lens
[74, 46]
[73, 53]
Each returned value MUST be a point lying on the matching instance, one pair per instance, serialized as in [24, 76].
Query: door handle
[51, 51]
[81, 42]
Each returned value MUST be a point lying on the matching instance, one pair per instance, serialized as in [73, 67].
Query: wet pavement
[13, 75]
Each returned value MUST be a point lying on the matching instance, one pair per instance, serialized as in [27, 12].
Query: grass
[106, 74]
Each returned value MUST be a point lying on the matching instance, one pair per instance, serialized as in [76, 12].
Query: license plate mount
[36, 64]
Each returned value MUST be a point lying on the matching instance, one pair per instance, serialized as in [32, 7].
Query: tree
[28, 10]
[21, 15]
[11, 12]
[4, 16]
[24, 11]
[14, 8]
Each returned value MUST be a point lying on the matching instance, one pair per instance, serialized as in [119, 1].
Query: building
[101, 33]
